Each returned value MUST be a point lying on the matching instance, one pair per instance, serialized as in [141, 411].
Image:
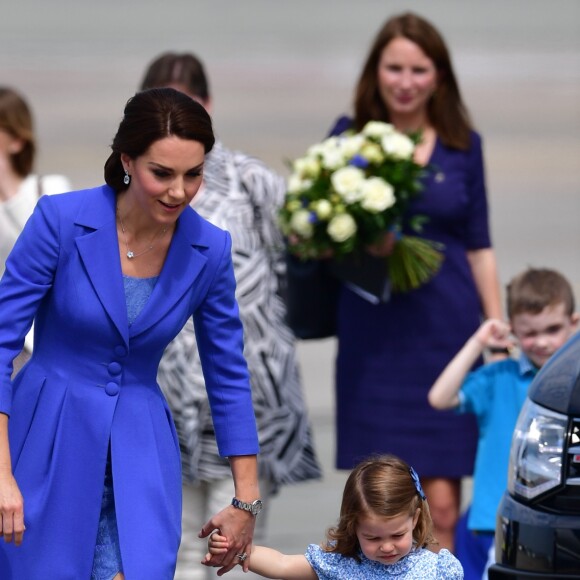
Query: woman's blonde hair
[383, 486]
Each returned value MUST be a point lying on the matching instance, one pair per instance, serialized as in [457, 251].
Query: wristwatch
[254, 508]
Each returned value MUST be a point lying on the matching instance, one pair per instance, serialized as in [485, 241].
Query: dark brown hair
[445, 109]
[171, 69]
[16, 120]
[152, 115]
[535, 289]
[380, 486]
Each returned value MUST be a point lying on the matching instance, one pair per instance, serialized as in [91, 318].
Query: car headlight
[537, 451]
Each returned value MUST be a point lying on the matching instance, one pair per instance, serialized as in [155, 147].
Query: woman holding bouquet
[390, 354]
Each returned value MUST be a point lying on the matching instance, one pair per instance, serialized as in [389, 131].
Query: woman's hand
[11, 510]
[237, 528]
[384, 246]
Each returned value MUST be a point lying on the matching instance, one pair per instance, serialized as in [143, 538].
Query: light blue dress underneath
[107, 562]
[417, 564]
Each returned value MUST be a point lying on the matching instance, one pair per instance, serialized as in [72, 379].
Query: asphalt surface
[280, 73]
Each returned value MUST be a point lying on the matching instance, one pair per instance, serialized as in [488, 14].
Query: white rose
[323, 209]
[341, 227]
[307, 167]
[332, 159]
[398, 146]
[315, 150]
[330, 153]
[350, 146]
[377, 195]
[300, 223]
[377, 129]
[295, 183]
[347, 181]
[372, 152]
[293, 205]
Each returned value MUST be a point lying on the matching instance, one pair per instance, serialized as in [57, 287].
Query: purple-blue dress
[390, 354]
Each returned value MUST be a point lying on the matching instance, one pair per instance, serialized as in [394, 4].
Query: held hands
[11, 510]
[236, 531]
[217, 545]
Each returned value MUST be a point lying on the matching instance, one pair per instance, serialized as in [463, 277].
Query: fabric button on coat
[120, 350]
[115, 368]
[112, 389]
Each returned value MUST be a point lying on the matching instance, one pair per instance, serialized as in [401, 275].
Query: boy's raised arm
[444, 392]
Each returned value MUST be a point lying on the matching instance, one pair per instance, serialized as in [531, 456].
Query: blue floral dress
[419, 564]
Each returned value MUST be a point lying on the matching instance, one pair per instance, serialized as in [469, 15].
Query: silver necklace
[130, 254]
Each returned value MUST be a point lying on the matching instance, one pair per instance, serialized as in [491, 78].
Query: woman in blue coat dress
[90, 482]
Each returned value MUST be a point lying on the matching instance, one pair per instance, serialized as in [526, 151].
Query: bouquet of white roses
[347, 192]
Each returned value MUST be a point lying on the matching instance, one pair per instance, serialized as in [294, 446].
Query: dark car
[538, 524]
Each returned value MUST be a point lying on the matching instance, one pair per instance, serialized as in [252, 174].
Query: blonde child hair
[385, 486]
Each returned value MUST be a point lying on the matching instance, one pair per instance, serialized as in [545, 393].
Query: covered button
[120, 350]
[114, 368]
[112, 389]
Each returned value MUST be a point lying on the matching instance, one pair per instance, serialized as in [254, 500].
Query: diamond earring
[127, 178]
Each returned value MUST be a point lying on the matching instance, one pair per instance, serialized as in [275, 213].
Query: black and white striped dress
[242, 195]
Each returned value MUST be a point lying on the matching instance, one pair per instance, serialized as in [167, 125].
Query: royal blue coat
[92, 379]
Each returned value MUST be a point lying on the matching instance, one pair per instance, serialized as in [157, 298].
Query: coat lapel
[182, 266]
[99, 251]
[98, 247]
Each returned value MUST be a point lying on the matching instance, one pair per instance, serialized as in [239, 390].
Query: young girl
[383, 531]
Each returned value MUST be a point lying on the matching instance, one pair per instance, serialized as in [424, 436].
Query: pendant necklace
[130, 254]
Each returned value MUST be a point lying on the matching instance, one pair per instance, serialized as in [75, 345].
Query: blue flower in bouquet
[360, 161]
[348, 191]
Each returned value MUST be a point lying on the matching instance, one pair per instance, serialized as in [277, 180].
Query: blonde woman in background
[20, 188]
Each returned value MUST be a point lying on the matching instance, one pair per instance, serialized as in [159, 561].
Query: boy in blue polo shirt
[540, 306]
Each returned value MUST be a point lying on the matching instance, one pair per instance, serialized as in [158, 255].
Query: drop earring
[127, 178]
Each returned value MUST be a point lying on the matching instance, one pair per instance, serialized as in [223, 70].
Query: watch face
[257, 507]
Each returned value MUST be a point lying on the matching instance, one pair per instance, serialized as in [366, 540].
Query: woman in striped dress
[239, 194]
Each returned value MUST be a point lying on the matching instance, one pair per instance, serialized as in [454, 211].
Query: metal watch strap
[254, 508]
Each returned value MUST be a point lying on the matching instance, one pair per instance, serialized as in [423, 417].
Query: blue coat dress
[92, 380]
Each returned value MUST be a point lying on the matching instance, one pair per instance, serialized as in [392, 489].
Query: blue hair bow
[417, 483]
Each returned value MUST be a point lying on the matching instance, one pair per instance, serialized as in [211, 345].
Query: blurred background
[280, 73]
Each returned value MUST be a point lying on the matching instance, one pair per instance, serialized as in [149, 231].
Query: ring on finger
[242, 557]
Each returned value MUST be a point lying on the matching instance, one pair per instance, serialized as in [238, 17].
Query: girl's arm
[270, 563]
[444, 392]
[267, 562]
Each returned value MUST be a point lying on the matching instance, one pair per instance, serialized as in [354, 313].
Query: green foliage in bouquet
[347, 192]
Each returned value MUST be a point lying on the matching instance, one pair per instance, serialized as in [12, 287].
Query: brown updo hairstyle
[152, 115]
[16, 120]
[446, 110]
[381, 486]
[178, 69]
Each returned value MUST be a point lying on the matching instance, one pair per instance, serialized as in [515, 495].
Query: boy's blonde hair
[535, 289]
[382, 486]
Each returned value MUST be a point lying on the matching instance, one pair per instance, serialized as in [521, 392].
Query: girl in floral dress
[383, 532]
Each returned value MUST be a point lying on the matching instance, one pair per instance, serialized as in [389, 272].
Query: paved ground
[281, 72]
